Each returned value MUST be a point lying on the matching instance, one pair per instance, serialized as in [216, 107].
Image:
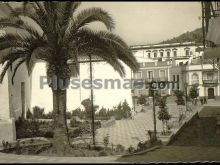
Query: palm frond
[10, 54]
[67, 9]
[73, 53]
[88, 16]
[15, 70]
[37, 15]
[4, 70]
[13, 23]
[106, 39]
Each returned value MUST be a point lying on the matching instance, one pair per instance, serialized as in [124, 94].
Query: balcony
[210, 82]
[156, 79]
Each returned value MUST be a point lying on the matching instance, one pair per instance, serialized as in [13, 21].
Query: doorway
[211, 94]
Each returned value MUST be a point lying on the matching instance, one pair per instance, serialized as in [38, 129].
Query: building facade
[178, 63]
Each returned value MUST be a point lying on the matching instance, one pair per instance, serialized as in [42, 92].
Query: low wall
[7, 130]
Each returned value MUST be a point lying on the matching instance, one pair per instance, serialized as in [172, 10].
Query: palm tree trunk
[61, 140]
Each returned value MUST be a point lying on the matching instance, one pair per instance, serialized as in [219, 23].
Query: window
[148, 55]
[178, 83]
[138, 75]
[161, 54]
[210, 76]
[155, 54]
[173, 78]
[195, 78]
[150, 74]
[162, 74]
[174, 53]
[187, 52]
[168, 54]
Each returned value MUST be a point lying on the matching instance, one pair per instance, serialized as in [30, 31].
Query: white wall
[15, 90]
[4, 98]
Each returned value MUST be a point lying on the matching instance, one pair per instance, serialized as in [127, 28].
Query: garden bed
[43, 147]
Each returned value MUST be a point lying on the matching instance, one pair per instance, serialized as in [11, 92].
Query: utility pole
[186, 94]
[93, 115]
[154, 112]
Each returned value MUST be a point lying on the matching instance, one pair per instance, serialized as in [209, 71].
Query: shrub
[97, 124]
[49, 134]
[103, 153]
[120, 148]
[74, 123]
[32, 128]
[38, 112]
[142, 146]
[29, 115]
[106, 141]
[98, 148]
[142, 110]
[130, 149]
[74, 133]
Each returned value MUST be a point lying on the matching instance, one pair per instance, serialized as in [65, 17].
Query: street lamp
[154, 110]
[185, 85]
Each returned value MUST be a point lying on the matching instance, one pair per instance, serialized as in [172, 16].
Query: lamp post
[154, 110]
[93, 112]
[185, 84]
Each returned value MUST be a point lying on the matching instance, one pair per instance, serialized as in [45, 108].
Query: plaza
[62, 65]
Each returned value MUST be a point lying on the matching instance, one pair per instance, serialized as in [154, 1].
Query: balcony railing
[152, 79]
[210, 82]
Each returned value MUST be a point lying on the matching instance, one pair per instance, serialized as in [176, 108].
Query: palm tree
[55, 33]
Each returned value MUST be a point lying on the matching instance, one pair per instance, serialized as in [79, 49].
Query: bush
[120, 148]
[74, 133]
[142, 146]
[74, 123]
[103, 153]
[97, 124]
[142, 110]
[29, 115]
[49, 134]
[106, 141]
[130, 149]
[32, 128]
[98, 148]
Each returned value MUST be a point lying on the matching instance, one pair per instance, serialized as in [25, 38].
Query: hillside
[192, 36]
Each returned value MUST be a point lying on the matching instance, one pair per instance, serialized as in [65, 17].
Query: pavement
[129, 132]
[12, 158]
[126, 132]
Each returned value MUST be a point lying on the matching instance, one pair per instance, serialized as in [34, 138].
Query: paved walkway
[12, 158]
[129, 132]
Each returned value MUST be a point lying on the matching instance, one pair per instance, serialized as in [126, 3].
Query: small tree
[87, 103]
[163, 114]
[126, 109]
[180, 100]
[142, 101]
[106, 141]
[38, 113]
[193, 93]
[29, 115]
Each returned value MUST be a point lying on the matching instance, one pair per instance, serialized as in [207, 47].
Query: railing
[210, 81]
[150, 79]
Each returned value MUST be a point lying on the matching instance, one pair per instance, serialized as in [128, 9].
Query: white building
[177, 62]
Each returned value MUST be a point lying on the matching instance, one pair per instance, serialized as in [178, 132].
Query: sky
[137, 23]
